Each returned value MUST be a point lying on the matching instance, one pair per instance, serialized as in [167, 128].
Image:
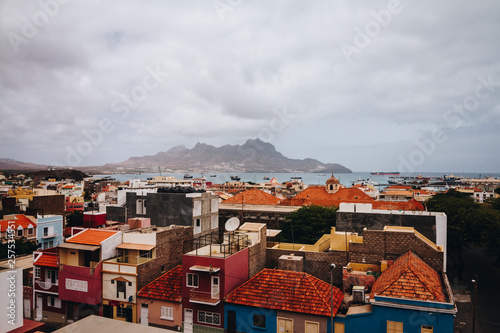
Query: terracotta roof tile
[253, 197]
[91, 236]
[20, 220]
[167, 287]
[317, 195]
[410, 277]
[287, 291]
[48, 260]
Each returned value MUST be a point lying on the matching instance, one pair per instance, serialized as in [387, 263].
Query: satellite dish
[232, 224]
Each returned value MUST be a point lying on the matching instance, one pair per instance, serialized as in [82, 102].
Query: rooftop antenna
[231, 225]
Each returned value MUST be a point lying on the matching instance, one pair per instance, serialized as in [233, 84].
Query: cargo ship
[378, 173]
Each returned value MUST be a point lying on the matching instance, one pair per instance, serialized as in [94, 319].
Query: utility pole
[332, 267]
[474, 304]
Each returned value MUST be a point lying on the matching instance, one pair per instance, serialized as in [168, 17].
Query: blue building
[50, 231]
[409, 296]
[281, 301]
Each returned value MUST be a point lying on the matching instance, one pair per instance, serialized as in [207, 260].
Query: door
[285, 325]
[215, 287]
[312, 327]
[231, 322]
[39, 301]
[27, 308]
[144, 314]
[339, 328]
[188, 321]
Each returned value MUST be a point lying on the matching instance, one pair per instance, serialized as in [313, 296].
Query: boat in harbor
[266, 178]
[187, 176]
[379, 173]
[235, 178]
[214, 175]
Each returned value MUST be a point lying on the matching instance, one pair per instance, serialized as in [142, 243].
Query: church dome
[332, 180]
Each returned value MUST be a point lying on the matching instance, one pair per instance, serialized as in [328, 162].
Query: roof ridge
[421, 277]
[309, 278]
[159, 277]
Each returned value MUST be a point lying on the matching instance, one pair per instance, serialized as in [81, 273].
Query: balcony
[48, 286]
[81, 284]
[202, 297]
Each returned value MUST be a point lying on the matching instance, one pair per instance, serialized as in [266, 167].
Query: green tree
[307, 224]
[74, 219]
[469, 223]
[21, 247]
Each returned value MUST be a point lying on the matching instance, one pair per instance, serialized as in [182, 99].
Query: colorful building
[80, 272]
[143, 256]
[48, 305]
[160, 301]
[18, 226]
[282, 301]
[209, 273]
[50, 231]
[409, 296]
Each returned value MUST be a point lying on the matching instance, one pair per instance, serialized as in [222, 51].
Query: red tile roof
[399, 187]
[167, 287]
[411, 278]
[91, 236]
[411, 204]
[253, 197]
[47, 259]
[287, 291]
[317, 195]
[19, 220]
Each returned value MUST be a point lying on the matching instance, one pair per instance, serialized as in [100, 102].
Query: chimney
[291, 263]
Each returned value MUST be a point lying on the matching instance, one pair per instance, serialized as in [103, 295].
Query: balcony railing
[45, 285]
[203, 297]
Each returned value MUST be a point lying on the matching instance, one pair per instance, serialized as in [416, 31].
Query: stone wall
[315, 263]
[169, 251]
[378, 245]
[257, 255]
[116, 213]
[389, 245]
[356, 222]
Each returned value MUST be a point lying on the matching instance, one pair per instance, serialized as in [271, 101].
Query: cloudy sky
[373, 85]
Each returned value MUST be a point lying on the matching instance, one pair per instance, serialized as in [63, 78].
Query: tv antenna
[232, 224]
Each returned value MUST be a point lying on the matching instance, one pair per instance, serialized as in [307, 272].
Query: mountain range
[254, 155]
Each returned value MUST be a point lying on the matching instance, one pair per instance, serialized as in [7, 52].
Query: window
[53, 276]
[45, 231]
[53, 302]
[121, 287]
[198, 222]
[167, 313]
[30, 231]
[121, 312]
[259, 320]
[19, 232]
[394, 327]
[192, 280]
[209, 318]
[426, 329]
[37, 272]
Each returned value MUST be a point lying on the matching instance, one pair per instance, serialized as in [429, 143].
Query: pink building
[94, 219]
[209, 273]
[80, 274]
[160, 301]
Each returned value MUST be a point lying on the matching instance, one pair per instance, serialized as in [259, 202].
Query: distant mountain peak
[254, 155]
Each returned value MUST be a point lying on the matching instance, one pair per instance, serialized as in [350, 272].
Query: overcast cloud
[369, 84]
